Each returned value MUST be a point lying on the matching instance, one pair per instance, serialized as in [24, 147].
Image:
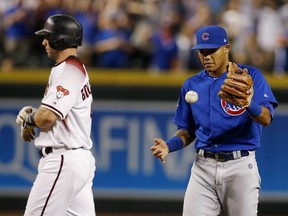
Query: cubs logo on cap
[210, 37]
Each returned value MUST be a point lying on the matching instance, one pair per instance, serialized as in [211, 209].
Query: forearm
[259, 113]
[185, 136]
[45, 118]
[180, 140]
[264, 118]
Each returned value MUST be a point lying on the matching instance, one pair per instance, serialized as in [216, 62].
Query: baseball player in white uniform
[66, 169]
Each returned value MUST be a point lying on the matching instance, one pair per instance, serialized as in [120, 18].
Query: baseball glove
[237, 88]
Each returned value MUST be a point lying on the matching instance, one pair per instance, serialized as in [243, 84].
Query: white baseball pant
[63, 185]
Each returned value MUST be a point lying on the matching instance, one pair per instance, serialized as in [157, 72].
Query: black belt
[223, 156]
[49, 150]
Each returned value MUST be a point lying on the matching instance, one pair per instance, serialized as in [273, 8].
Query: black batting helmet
[62, 31]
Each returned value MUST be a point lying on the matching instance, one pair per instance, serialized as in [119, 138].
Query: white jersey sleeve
[68, 94]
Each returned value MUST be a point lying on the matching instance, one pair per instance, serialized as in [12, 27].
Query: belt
[224, 156]
[47, 150]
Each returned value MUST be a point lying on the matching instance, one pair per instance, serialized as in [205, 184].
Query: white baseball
[191, 97]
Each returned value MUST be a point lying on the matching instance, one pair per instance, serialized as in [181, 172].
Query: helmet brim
[43, 32]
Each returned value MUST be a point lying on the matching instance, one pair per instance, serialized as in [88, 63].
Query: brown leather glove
[237, 88]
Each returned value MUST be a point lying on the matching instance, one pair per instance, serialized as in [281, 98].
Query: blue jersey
[218, 125]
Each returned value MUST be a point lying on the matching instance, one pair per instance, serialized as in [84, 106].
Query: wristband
[175, 143]
[254, 109]
[29, 121]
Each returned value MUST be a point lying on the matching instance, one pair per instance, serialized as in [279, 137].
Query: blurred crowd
[154, 35]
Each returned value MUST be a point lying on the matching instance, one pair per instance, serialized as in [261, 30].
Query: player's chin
[209, 67]
[48, 54]
[51, 56]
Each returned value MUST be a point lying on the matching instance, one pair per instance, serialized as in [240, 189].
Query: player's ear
[227, 48]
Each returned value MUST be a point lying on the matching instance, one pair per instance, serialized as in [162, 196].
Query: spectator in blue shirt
[16, 35]
[111, 45]
[165, 48]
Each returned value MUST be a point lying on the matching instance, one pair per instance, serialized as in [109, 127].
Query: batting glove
[27, 133]
[23, 114]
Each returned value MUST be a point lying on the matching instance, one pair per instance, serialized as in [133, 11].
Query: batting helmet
[62, 31]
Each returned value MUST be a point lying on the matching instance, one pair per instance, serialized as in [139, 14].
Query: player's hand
[160, 149]
[23, 113]
[27, 133]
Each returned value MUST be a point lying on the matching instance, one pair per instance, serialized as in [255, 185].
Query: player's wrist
[175, 144]
[30, 121]
[254, 109]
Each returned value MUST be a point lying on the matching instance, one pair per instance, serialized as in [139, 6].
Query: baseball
[191, 97]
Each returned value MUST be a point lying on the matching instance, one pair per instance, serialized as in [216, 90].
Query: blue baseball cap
[210, 37]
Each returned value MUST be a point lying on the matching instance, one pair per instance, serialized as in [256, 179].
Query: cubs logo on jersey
[231, 109]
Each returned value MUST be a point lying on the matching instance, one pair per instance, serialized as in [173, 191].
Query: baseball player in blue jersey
[224, 175]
